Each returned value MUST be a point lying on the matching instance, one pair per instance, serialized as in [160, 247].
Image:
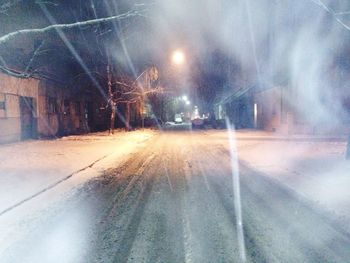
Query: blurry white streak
[72, 50]
[255, 115]
[120, 116]
[93, 8]
[188, 239]
[125, 50]
[252, 39]
[332, 13]
[342, 13]
[236, 190]
[78, 58]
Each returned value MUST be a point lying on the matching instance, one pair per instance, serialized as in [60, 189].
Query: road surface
[174, 201]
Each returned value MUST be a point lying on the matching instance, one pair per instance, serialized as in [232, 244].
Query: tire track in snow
[219, 232]
[120, 198]
[188, 237]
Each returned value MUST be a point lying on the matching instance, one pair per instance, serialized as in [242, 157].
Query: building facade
[281, 109]
[31, 108]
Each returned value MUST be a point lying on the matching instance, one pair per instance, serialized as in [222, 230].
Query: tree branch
[331, 12]
[6, 5]
[50, 28]
[36, 52]
[14, 73]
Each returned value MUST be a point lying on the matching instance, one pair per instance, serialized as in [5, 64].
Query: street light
[178, 57]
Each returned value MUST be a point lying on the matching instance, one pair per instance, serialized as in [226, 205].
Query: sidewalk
[28, 167]
[313, 166]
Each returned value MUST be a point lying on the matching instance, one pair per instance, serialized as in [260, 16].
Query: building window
[77, 108]
[66, 110]
[2, 105]
[51, 105]
[346, 107]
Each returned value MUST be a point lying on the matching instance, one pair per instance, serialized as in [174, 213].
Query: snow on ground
[313, 166]
[28, 168]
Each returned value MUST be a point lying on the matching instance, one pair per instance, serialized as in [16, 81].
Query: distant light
[184, 97]
[255, 115]
[188, 102]
[178, 57]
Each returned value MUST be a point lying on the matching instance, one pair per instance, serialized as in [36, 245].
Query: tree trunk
[127, 117]
[138, 112]
[112, 119]
[110, 98]
[142, 114]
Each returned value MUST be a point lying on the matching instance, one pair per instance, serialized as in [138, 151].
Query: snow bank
[313, 166]
[26, 168]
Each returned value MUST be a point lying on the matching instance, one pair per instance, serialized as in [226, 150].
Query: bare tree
[130, 92]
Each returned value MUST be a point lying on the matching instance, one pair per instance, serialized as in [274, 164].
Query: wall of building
[275, 114]
[11, 89]
[55, 110]
[239, 111]
[60, 111]
[271, 110]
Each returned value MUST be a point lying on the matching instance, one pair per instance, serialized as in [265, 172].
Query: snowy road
[173, 201]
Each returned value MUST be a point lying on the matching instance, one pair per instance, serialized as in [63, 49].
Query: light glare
[178, 57]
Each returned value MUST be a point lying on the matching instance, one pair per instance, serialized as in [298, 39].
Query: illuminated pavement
[173, 201]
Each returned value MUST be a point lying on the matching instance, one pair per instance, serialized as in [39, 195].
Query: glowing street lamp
[178, 57]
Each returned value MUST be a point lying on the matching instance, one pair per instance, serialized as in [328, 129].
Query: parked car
[152, 122]
[220, 124]
[178, 118]
[197, 123]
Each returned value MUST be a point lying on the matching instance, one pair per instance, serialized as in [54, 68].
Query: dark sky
[227, 44]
